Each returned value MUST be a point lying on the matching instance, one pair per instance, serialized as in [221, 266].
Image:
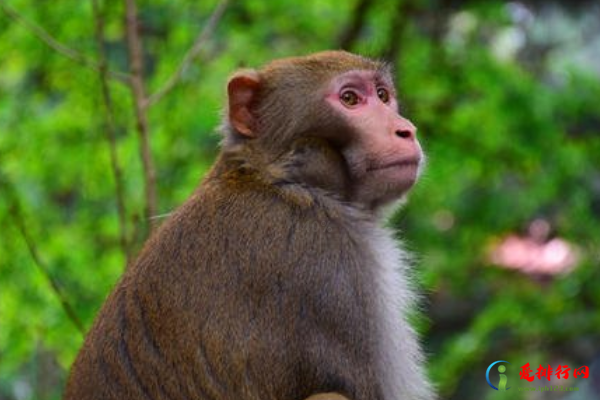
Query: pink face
[386, 156]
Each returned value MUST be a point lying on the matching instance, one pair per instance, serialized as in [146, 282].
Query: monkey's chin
[387, 186]
[398, 178]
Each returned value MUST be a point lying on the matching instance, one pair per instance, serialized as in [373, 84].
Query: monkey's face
[346, 100]
[384, 155]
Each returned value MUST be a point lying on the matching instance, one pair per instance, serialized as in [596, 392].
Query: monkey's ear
[242, 90]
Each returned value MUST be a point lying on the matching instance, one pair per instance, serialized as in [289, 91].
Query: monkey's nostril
[404, 134]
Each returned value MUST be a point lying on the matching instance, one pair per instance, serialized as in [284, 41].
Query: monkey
[276, 279]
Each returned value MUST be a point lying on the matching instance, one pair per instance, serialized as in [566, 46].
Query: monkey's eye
[349, 98]
[383, 95]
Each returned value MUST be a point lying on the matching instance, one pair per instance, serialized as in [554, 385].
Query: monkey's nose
[405, 129]
[405, 133]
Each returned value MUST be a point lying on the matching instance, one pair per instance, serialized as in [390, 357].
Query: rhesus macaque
[275, 281]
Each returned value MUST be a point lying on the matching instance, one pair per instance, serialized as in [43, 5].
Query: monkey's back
[246, 292]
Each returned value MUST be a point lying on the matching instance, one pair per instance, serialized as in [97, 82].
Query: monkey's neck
[309, 163]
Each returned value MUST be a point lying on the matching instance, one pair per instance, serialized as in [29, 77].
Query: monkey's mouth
[409, 163]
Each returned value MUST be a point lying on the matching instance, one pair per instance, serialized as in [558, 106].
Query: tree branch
[110, 131]
[352, 31]
[405, 10]
[16, 213]
[37, 260]
[54, 44]
[191, 54]
[138, 93]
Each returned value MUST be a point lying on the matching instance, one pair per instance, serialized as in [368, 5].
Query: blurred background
[106, 127]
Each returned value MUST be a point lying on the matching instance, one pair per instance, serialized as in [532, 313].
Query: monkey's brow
[376, 75]
[383, 74]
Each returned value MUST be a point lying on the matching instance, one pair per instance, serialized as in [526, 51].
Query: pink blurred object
[533, 254]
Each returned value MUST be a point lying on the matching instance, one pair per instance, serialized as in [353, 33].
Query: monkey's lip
[412, 162]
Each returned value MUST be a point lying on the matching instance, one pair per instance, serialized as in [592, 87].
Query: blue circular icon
[487, 374]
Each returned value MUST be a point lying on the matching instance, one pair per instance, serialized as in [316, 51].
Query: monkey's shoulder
[285, 219]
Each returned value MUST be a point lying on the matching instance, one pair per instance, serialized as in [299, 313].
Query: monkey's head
[344, 100]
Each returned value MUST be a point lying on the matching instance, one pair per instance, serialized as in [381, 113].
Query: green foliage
[508, 142]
